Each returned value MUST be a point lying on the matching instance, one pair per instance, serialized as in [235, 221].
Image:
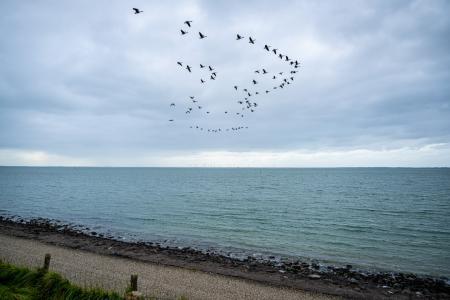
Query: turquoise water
[394, 219]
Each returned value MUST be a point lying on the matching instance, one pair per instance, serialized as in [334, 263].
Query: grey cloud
[83, 77]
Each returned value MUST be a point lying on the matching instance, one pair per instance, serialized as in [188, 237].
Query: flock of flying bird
[247, 95]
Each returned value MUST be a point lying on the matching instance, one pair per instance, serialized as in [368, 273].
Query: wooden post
[134, 279]
[46, 262]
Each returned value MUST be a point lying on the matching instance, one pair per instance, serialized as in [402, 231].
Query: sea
[376, 219]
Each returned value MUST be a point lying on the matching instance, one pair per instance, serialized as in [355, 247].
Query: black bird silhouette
[254, 81]
[251, 41]
[199, 107]
[202, 36]
[292, 78]
[188, 68]
[183, 32]
[249, 94]
[210, 68]
[245, 90]
[257, 93]
[281, 73]
[280, 56]
[194, 101]
[207, 112]
[239, 37]
[267, 91]
[214, 73]
[213, 78]
[171, 120]
[172, 104]
[267, 47]
[188, 112]
[226, 112]
[137, 11]
[287, 58]
[240, 102]
[235, 87]
[192, 97]
[202, 81]
[188, 23]
[274, 77]
[264, 71]
[180, 63]
[274, 50]
[257, 71]
[202, 66]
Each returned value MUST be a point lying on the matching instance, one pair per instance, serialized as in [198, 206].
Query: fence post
[134, 279]
[46, 262]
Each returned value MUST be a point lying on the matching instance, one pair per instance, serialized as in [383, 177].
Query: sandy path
[113, 273]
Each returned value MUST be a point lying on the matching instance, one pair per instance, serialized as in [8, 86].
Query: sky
[89, 83]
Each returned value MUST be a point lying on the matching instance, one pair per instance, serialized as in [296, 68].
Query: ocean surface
[393, 219]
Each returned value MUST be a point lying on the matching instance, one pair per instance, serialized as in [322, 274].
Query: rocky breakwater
[345, 281]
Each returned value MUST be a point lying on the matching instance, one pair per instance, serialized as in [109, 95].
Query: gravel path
[113, 273]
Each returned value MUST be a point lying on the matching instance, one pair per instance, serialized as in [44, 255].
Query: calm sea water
[373, 218]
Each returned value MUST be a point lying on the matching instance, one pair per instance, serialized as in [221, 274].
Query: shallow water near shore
[394, 219]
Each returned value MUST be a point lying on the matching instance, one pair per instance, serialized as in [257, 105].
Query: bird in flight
[251, 41]
[213, 78]
[172, 104]
[264, 71]
[183, 32]
[137, 11]
[202, 66]
[274, 50]
[267, 47]
[188, 68]
[254, 81]
[235, 87]
[239, 37]
[188, 23]
[192, 97]
[180, 63]
[202, 36]
[202, 81]
[214, 73]
[257, 71]
[210, 68]
[171, 120]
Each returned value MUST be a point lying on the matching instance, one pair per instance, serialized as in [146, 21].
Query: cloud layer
[81, 81]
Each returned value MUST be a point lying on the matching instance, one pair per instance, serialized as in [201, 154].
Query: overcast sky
[90, 83]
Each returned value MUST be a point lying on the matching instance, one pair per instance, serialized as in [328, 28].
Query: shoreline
[339, 281]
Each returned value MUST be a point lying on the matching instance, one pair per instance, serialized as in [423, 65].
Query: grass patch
[18, 283]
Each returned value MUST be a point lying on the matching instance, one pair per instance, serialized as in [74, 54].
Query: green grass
[24, 284]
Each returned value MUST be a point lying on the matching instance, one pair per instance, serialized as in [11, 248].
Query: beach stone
[314, 276]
